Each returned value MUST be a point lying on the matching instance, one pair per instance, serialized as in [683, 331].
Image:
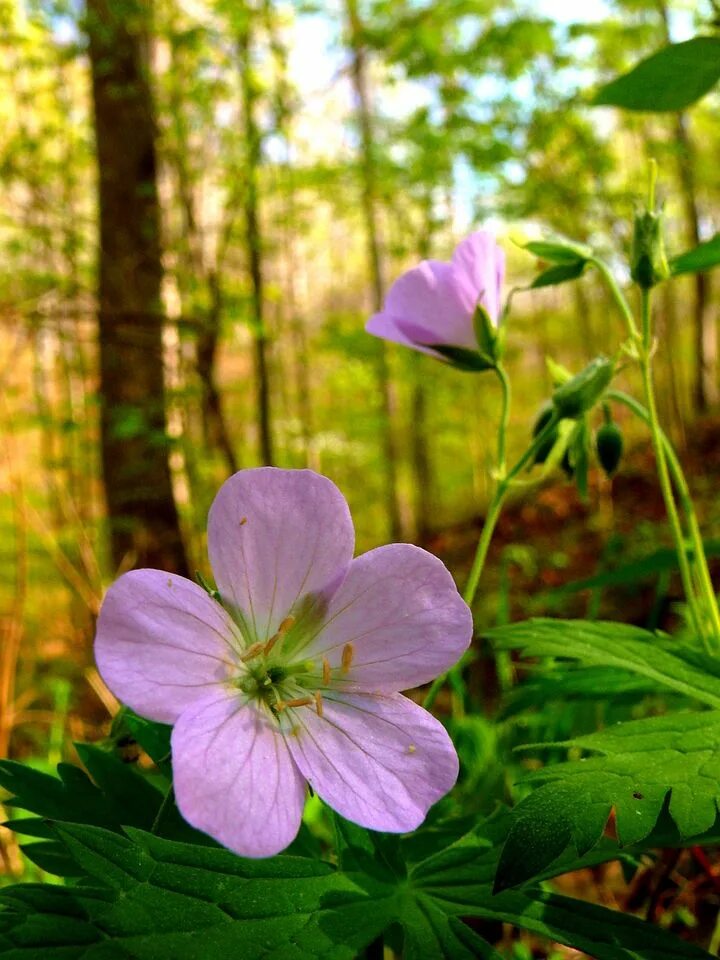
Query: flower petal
[479, 269]
[161, 642]
[431, 297]
[234, 777]
[386, 327]
[380, 761]
[274, 538]
[401, 611]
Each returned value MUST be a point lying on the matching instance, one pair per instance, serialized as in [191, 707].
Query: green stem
[662, 467]
[683, 491]
[166, 801]
[486, 533]
[504, 418]
[619, 298]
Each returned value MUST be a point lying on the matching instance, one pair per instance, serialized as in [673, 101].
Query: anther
[348, 653]
[252, 651]
[326, 671]
[281, 631]
[412, 748]
[318, 703]
[299, 702]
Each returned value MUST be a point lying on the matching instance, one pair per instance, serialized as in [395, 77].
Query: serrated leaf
[643, 763]
[671, 79]
[604, 643]
[703, 257]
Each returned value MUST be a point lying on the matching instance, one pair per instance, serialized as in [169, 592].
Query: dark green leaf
[702, 257]
[671, 79]
[561, 273]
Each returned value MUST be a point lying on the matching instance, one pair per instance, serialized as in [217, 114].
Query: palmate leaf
[155, 899]
[645, 765]
[606, 644]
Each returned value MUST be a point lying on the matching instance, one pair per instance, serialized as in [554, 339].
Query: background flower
[295, 675]
[433, 305]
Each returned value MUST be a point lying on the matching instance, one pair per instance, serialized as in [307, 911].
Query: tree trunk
[253, 235]
[387, 388]
[143, 520]
[705, 389]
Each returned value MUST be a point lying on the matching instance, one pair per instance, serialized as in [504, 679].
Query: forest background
[264, 170]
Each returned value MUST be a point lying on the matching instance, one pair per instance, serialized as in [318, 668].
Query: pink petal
[381, 761]
[234, 777]
[479, 269]
[385, 326]
[274, 538]
[161, 642]
[401, 611]
[431, 297]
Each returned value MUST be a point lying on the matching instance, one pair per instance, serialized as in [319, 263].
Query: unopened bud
[649, 262]
[543, 419]
[583, 391]
[609, 447]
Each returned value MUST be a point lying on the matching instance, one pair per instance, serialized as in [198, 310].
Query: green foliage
[630, 649]
[671, 79]
[700, 258]
[148, 897]
[643, 763]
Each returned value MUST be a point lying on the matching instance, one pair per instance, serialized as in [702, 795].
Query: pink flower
[432, 308]
[293, 676]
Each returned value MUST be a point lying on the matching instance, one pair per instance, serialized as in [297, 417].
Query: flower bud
[583, 391]
[649, 263]
[609, 447]
[543, 418]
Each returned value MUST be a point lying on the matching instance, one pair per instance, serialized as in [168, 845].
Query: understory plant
[291, 801]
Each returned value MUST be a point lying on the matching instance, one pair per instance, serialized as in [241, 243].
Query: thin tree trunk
[143, 519]
[214, 423]
[369, 205]
[705, 388]
[253, 234]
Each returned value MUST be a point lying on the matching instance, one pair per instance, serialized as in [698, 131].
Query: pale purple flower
[432, 307]
[295, 675]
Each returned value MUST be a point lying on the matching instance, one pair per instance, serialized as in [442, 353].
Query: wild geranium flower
[449, 310]
[294, 674]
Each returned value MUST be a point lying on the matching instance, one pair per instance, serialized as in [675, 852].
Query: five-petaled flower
[449, 310]
[294, 674]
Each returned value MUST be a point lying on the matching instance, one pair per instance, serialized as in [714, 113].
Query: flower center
[275, 681]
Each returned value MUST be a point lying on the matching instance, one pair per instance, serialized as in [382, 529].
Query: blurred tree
[368, 173]
[143, 519]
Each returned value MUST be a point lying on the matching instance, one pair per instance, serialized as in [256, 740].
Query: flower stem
[683, 491]
[662, 466]
[619, 297]
[494, 510]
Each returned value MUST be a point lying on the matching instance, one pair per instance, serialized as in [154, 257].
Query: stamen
[326, 671]
[299, 702]
[282, 630]
[252, 651]
[243, 521]
[348, 653]
[412, 748]
[318, 703]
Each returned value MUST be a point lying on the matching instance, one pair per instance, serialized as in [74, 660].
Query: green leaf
[700, 258]
[643, 763]
[671, 79]
[559, 250]
[601, 643]
[561, 273]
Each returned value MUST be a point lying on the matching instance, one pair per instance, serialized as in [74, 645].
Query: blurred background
[203, 202]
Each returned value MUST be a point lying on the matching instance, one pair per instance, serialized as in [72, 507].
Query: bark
[143, 520]
[253, 234]
[388, 393]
